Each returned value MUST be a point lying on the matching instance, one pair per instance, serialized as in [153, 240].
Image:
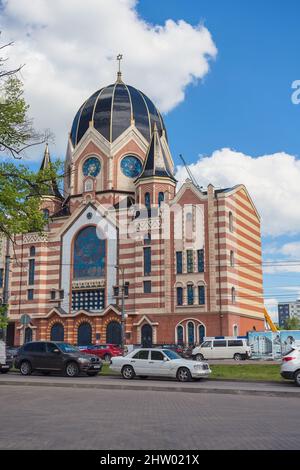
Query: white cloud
[272, 181]
[69, 48]
[272, 308]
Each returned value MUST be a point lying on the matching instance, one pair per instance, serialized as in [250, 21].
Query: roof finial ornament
[119, 77]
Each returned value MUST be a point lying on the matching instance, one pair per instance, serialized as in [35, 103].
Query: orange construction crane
[269, 321]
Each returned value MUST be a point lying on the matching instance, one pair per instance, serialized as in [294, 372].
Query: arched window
[147, 201]
[235, 330]
[32, 251]
[46, 214]
[88, 185]
[179, 334]
[191, 332]
[89, 255]
[201, 334]
[57, 332]
[232, 259]
[190, 294]
[179, 293]
[233, 295]
[161, 198]
[230, 219]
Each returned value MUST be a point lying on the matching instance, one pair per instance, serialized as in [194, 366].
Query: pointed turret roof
[52, 188]
[156, 162]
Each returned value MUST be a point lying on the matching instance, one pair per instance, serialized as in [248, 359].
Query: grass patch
[246, 372]
[107, 371]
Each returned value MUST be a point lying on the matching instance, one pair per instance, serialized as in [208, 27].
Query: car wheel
[128, 372]
[199, 357]
[183, 375]
[72, 369]
[237, 357]
[92, 374]
[25, 368]
[297, 378]
[107, 357]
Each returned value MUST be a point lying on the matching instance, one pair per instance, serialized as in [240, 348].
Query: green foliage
[292, 323]
[15, 128]
[3, 317]
[20, 197]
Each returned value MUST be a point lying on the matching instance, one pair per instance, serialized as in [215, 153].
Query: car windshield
[171, 354]
[67, 348]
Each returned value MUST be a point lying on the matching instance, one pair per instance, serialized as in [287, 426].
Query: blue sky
[234, 123]
[244, 103]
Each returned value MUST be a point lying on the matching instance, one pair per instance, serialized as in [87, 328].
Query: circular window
[91, 167]
[131, 166]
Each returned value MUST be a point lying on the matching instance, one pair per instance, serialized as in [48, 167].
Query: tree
[20, 188]
[292, 323]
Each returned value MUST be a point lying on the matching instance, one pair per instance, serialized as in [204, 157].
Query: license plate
[96, 367]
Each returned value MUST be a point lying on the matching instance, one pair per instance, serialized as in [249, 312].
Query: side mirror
[165, 359]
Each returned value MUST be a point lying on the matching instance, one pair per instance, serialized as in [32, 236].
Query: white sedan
[158, 363]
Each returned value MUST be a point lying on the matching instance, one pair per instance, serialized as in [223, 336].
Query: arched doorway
[84, 335]
[113, 333]
[28, 335]
[57, 332]
[146, 336]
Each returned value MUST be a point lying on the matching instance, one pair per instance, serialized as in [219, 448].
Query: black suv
[49, 356]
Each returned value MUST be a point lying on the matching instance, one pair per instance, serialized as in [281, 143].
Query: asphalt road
[73, 418]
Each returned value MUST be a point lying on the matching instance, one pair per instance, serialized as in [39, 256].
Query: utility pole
[124, 294]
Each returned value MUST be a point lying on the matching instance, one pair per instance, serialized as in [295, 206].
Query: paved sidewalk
[285, 389]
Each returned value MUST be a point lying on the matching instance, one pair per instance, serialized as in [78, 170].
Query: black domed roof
[113, 109]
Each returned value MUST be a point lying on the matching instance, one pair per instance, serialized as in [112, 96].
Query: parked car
[12, 350]
[158, 362]
[173, 347]
[237, 349]
[290, 368]
[104, 351]
[55, 356]
[6, 360]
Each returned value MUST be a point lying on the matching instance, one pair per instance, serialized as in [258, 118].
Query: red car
[104, 351]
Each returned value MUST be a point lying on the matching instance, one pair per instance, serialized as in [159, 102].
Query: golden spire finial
[119, 76]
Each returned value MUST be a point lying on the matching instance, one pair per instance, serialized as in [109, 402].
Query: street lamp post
[123, 315]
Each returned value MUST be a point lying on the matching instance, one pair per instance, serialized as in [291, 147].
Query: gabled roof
[156, 162]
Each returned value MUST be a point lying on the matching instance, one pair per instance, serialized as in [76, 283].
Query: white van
[227, 348]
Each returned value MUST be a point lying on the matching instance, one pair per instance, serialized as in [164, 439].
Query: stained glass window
[131, 166]
[190, 294]
[179, 292]
[201, 295]
[91, 167]
[190, 261]
[179, 262]
[88, 299]
[180, 334]
[89, 255]
[200, 254]
[191, 333]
